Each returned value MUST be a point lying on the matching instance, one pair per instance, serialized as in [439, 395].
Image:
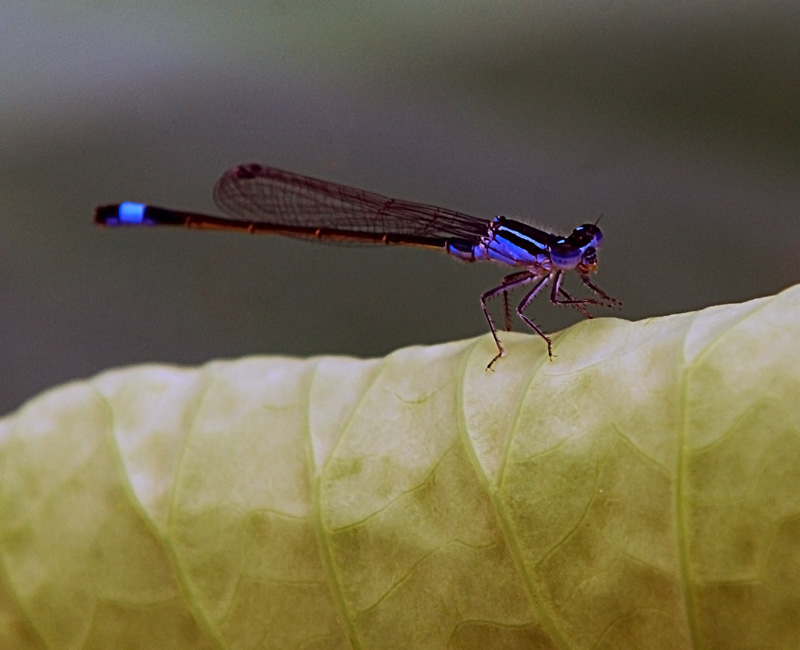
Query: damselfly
[261, 199]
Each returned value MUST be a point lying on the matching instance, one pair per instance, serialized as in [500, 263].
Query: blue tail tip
[131, 213]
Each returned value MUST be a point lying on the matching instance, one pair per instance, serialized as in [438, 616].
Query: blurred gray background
[680, 122]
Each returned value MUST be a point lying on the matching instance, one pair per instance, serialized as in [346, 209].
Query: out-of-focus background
[680, 122]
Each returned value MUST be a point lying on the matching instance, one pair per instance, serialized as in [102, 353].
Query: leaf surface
[642, 490]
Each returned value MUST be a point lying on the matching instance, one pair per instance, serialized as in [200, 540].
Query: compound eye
[588, 235]
[565, 255]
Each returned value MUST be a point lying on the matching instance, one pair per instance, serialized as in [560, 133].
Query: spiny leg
[506, 306]
[506, 312]
[613, 301]
[573, 303]
[569, 300]
[509, 282]
[526, 301]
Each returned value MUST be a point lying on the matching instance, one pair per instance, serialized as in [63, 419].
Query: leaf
[642, 490]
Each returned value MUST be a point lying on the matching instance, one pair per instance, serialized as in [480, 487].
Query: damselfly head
[587, 235]
[579, 250]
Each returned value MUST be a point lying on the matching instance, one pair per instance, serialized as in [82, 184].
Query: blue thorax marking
[513, 242]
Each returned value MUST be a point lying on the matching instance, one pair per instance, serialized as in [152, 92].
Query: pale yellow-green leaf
[642, 490]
